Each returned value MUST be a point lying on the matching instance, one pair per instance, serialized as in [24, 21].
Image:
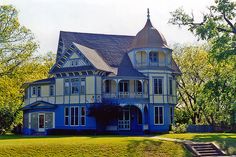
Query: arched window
[153, 57]
[141, 58]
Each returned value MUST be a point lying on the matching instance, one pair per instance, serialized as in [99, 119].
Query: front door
[124, 119]
[41, 122]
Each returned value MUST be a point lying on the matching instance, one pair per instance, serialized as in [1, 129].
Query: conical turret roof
[149, 37]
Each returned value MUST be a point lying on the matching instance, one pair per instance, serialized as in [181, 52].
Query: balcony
[125, 91]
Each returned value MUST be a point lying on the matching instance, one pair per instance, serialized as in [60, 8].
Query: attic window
[74, 62]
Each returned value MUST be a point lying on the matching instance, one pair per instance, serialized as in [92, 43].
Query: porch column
[142, 81]
[143, 117]
[117, 87]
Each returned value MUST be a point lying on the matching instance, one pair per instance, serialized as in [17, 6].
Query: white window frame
[34, 90]
[82, 91]
[170, 86]
[163, 115]
[66, 116]
[39, 90]
[53, 90]
[162, 85]
[74, 115]
[81, 116]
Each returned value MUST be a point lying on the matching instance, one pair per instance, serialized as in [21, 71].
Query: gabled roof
[105, 52]
[110, 47]
[95, 58]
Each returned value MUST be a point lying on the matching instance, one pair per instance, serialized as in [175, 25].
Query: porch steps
[205, 149]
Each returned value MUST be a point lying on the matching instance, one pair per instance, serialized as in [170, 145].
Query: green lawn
[88, 146]
[227, 141]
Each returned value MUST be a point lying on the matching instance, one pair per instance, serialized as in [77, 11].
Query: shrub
[179, 128]
[2, 131]
[17, 129]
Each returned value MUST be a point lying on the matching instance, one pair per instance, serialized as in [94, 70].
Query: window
[67, 87]
[171, 114]
[66, 116]
[159, 115]
[153, 56]
[139, 116]
[107, 86]
[82, 116]
[74, 62]
[138, 86]
[74, 86]
[74, 116]
[51, 90]
[158, 86]
[170, 86]
[82, 86]
[39, 91]
[34, 90]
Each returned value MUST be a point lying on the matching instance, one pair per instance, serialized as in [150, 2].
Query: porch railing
[125, 95]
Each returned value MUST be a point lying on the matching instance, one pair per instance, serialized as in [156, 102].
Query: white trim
[163, 115]
[80, 116]
[66, 116]
[29, 120]
[41, 129]
[53, 123]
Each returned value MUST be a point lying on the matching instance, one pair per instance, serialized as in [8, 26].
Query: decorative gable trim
[66, 57]
[39, 105]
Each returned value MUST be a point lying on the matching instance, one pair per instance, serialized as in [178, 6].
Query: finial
[148, 15]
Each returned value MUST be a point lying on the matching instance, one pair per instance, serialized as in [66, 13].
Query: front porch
[130, 119]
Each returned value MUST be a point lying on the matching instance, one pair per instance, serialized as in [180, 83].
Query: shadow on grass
[13, 137]
[149, 148]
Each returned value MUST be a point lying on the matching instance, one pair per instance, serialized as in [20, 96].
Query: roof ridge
[97, 34]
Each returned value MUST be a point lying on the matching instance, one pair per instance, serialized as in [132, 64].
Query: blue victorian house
[127, 81]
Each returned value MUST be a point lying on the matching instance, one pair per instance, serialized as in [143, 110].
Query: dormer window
[153, 56]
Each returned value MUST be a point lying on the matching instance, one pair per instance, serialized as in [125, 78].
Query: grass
[227, 141]
[88, 146]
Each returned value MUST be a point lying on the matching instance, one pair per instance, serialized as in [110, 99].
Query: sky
[46, 18]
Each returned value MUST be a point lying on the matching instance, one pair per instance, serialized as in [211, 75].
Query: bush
[2, 131]
[17, 129]
[179, 128]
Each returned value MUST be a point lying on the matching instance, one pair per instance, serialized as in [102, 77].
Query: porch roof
[39, 105]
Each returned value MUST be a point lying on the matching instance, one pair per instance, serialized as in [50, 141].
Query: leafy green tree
[218, 26]
[16, 42]
[18, 64]
[206, 88]
[218, 96]
[193, 63]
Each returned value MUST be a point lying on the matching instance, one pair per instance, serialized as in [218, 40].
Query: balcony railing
[125, 95]
[151, 64]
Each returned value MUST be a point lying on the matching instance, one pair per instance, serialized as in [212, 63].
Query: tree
[206, 88]
[218, 96]
[193, 63]
[218, 26]
[18, 64]
[16, 42]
